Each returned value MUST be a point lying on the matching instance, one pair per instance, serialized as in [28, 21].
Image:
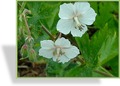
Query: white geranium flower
[61, 50]
[75, 17]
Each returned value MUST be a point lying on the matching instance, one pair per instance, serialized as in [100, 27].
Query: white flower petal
[66, 11]
[71, 52]
[63, 59]
[77, 33]
[46, 53]
[64, 25]
[47, 44]
[54, 58]
[62, 42]
[88, 17]
[81, 7]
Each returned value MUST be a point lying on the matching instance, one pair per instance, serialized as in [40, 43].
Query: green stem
[22, 6]
[81, 59]
[103, 73]
[106, 71]
[46, 30]
[26, 24]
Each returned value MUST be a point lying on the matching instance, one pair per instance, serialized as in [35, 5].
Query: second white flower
[61, 50]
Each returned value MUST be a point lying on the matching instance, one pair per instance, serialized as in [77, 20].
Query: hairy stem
[26, 24]
[25, 20]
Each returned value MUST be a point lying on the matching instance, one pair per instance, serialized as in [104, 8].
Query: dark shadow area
[11, 61]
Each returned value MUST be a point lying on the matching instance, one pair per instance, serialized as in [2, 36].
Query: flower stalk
[60, 34]
[25, 20]
[47, 31]
[104, 73]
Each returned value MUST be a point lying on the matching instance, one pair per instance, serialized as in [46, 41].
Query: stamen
[80, 28]
[78, 24]
[77, 21]
[58, 52]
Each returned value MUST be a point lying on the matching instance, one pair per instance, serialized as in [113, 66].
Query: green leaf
[100, 48]
[84, 45]
[107, 52]
[51, 20]
[112, 66]
[79, 71]
[105, 12]
[97, 40]
[87, 50]
[54, 68]
[47, 14]
[104, 44]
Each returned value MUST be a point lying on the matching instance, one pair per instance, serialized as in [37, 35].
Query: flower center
[78, 24]
[58, 52]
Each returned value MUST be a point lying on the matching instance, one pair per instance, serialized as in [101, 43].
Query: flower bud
[24, 51]
[32, 55]
[26, 11]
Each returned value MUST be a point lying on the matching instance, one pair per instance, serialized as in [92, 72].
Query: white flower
[61, 50]
[75, 17]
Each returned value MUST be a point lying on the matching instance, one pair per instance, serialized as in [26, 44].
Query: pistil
[78, 24]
